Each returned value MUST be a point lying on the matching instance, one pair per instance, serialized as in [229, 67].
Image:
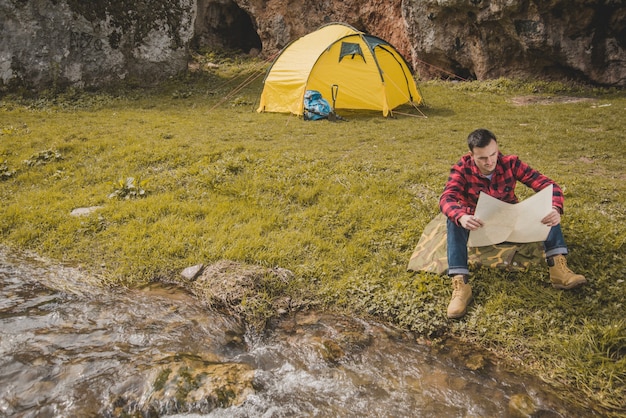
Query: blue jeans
[457, 246]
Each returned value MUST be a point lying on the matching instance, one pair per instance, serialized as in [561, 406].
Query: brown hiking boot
[561, 276]
[461, 296]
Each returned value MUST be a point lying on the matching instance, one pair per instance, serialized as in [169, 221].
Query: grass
[341, 205]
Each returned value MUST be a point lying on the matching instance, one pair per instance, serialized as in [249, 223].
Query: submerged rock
[475, 362]
[190, 384]
[522, 406]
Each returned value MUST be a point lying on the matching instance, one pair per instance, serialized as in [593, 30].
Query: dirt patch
[531, 100]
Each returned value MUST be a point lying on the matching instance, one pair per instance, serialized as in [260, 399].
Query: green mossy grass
[341, 205]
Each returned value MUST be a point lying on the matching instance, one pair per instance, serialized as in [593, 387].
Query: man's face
[486, 158]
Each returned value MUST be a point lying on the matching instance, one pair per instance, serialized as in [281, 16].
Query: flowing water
[71, 348]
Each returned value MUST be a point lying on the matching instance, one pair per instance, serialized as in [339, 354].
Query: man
[485, 169]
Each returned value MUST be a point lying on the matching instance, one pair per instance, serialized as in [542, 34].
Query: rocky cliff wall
[482, 39]
[49, 43]
[473, 39]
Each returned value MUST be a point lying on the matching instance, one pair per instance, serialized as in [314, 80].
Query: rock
[485, 39]
[72, 43]
[478, 39]
[521, 406]
[331, 351]
[84, 211]
[191, 273]
[475, 362]
[334, 336]
[191, 384]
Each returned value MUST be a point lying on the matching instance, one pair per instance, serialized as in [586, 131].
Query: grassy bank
[341, 205]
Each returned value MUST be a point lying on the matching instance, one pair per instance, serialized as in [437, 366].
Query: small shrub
[241, 101]
[129, 188]
[5, 172]
[43, 157]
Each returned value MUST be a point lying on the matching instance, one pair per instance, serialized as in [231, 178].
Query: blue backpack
[315, 106]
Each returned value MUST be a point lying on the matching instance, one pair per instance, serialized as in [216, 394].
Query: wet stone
[475, 362]
[521, 406]
[331, 351]
[191, 384]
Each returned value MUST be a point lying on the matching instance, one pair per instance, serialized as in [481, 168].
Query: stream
[72, 348]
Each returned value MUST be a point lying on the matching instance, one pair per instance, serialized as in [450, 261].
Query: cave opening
[224, 25]
[462, 73]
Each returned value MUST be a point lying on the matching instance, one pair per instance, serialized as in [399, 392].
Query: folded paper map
[520, 222]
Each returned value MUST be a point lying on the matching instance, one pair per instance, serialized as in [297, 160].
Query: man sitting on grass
[485, 169]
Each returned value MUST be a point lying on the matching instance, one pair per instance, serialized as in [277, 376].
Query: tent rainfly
[369, 73]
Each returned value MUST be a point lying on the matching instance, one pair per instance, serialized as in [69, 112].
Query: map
[520, 222]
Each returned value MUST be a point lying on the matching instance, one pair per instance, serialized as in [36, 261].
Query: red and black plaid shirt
[460, 194]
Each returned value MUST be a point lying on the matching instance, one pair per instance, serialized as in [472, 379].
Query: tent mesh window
[350, 49]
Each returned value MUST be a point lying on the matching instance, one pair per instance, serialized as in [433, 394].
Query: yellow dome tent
[367, 71]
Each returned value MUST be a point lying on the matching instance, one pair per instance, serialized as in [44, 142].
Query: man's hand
[470, 222]
[553, 218]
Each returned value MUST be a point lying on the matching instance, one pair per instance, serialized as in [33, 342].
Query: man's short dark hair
[480, 138]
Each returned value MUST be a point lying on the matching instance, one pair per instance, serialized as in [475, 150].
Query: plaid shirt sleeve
[454, 201]
[532, 178]
[460, 195]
